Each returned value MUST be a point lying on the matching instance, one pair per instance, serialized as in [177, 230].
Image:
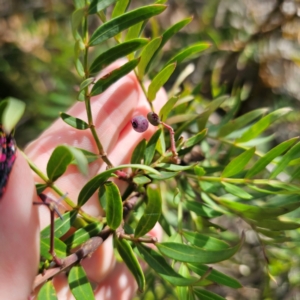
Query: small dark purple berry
[139, 123]
[153, 118]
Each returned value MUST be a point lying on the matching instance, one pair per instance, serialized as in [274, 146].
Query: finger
[19, 233]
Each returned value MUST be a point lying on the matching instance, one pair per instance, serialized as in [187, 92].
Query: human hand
[20, 223]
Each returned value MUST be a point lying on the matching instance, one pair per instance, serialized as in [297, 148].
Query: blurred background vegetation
[255, 52]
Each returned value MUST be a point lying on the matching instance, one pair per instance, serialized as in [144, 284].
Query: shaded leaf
[172, 167]
[138, 152]
[114, 206]
[98, 5]
[131, 261]
[74, 122]
[275, 224]
[124, 21]
[188, 52]
[201, 209]
[262, 125]
[79, 284]
[215, 276]
[206, 295]
[85, 83]
[47, 292]
[150, 149]
[194, 140]
[160, 266]
[159, 80]
[152, 211]
[114, 53]
[238, 163]
[107, 80]
[163, 175]
[77, 17]
[90, 156]
[192, 254]
[141, 180]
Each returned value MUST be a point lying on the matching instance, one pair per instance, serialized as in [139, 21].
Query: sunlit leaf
[215, 276]
[74, 122]
[79, 284]
[268, 157]
[159, 80]
[172, 167]
[92, 185]
[167, 108]
[146, 55]
[131, 261]
[107, 80]
[60, 248]
[98, 5]
[116, 52]
[188, 52]
[12, 113]
[152, 211]
[289, 156]
[238, 163]
[192, 254]
[77, 17]
[141, 180]
[81, 235]
[262, 125]
[124, 21]
[275, 224]
[61, 226]
[236, 191]
[160, 266]
[85, 83]
[119, 8]
[47, 292]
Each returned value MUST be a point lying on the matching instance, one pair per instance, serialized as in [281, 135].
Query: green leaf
[236, 191]
[77, 17]
[83, 234]
[79, 159]
[262, 125]
[47, 292]
[134, 31]
[114, 206]
[168, 34]
[206, 295]
[172, 167]
[268, 157]
[116, 52]
[58, 162]
[199, 171]
[183, 291]
[286, 159]
[61, 226]
[160, 266]
[74, 122]
[201, 209]
[120, 8]
[79, 284]
[150, 149]
[79, 67]
[146, 55]
[163, 175]
[141, 180]
[192, 254]
[275, 224]
[124, 21]
[204, 116]
[98, 5]
[12, 113]
[59, 247]
[196, 139]
[138, 152]
[131, 261]
[167, 108]
[90, 156]
[152, 211]
[241, 121]
[238, 163]
[85, 83]
[215, 276]
[159, 80]
[204, 241]
[188, 52]
[107, 80]
[92, 185]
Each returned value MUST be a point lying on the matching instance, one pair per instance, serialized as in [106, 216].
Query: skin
[21, 221]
